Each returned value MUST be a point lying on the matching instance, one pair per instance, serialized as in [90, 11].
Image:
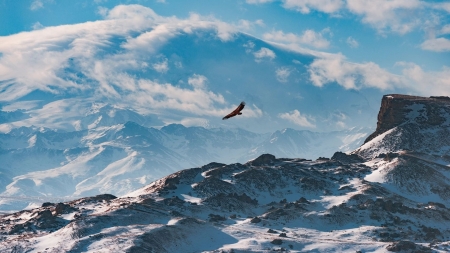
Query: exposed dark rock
[232, 201]
[347, 159]
[275, 214]
[265, 159]
[45, 219]
[431, 233]
[313, 184]
[212, 186]
[277, 241]
[176, 213]
[174, 201]
[303, 200]
[272, 231]
[62, 208]
[255, 220]
[407, 246]
[97, 198]
[283, 235]
[47, 204]
[216, 217]
[224, 170]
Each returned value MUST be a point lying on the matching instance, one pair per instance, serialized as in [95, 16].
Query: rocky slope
[266, 204]
[381, 197]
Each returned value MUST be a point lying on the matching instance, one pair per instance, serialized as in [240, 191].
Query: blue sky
[371, 47]
[385, 32]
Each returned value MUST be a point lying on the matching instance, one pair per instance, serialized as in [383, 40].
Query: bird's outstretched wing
[236, 111]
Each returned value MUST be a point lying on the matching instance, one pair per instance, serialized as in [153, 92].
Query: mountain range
[114, 153]
[111, 105]
[389, 195]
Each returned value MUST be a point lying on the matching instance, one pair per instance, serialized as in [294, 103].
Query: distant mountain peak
[173, 128]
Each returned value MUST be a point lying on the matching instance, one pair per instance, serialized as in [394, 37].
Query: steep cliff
[410, 124]
[397, 109]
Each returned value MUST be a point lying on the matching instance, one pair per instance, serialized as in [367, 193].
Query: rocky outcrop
[265, 159]
[398, 109]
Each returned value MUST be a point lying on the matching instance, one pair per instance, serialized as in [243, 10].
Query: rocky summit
[390, 195]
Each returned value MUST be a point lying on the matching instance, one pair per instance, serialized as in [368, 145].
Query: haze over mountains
[40, 164]
[388, 195]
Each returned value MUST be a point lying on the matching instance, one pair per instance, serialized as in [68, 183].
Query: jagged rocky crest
[388, 195]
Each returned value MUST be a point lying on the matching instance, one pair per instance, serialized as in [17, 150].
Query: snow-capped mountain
[292, 143]
[101, 106]
[41, 164]
[378, 198]
[190, 72]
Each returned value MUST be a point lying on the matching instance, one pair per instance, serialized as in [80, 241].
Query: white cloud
[36, 4]
[305, 6]
[102, 68]
[283, 74]
[260, 22]
[161, 67]
[198, 81]
[437, 45]
[102, 11]
[195, 122]
[246, 25]
[258, 1]
[297, 118]
[264, 53]
[132, 12]
[426, 83]
[249, 46]
[341, 124]
[334, 68]
[352, 42]
[400, 16]
[309, 37]
[351, 75]
[445, 6]
[37, 26]
[445, 29]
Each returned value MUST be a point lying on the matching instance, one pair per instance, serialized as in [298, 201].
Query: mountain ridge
[35, 156]
[380, 197]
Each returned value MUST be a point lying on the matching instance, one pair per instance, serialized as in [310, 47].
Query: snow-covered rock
[264, 205]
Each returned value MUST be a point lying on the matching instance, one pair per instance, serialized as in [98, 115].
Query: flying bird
[236, 111]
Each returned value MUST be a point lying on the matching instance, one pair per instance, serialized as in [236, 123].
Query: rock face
[410, 124]
[398, 109]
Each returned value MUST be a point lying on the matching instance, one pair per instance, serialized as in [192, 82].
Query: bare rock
[277, 241]
[255, 220]
[407, 246]
[216, 218]
[264, 159]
